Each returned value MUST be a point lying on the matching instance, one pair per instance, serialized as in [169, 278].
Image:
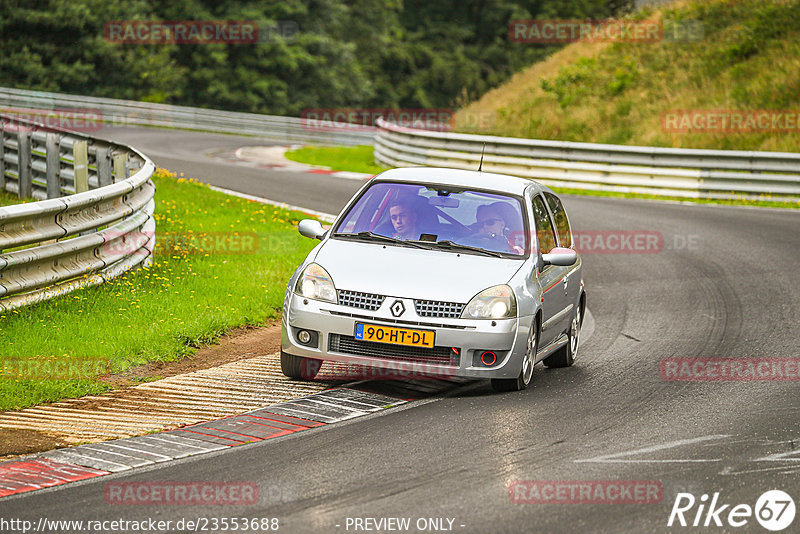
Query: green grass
[7, 199]
[747, 59]
[189, 296]
[339, 158]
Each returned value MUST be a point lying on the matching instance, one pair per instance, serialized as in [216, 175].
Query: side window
[544, 228]
[560, 216]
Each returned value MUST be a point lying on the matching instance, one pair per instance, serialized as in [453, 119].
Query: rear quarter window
[544, 228]
[561, 221]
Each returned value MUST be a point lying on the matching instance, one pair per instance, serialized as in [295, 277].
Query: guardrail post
[120, 167]
[53, 166]
[80, 156]
[24, 155]
[2, 159]
[104, 176]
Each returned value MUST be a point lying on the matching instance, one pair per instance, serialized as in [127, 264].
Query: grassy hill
[748, 58]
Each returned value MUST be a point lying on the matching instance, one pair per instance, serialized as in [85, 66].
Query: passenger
[404, 219]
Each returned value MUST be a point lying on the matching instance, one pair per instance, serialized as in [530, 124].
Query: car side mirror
[563, 257]
[311, 228]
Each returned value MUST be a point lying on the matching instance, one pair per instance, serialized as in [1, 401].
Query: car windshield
[444, 217]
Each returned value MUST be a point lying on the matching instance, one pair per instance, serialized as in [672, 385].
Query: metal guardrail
[132, 113]
[715, 174]
[95, 220]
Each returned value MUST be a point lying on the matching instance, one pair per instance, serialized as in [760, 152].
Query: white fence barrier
[132, 113]
[716, 174]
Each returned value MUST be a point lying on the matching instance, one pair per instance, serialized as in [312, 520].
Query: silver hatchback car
[458, 273]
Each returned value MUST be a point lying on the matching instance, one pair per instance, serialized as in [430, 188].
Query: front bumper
[469, 337]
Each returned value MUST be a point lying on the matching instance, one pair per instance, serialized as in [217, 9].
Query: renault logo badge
[397, 308]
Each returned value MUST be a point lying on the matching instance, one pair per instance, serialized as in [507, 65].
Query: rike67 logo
[774, 510]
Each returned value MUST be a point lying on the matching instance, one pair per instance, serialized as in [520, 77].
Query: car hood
[408, 272]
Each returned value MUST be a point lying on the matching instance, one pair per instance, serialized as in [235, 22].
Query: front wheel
[298, 367]
[565, 356]
[526, 374]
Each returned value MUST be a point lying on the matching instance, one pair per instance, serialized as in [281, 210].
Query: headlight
[497, 302]
[315, 283]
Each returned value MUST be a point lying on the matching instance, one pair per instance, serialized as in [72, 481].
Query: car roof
[459, 177]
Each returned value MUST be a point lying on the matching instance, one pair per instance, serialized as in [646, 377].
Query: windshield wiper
[379, 237]
[449, 245]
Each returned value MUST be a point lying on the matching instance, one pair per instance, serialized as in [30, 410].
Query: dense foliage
[356, 53]
[746, 58]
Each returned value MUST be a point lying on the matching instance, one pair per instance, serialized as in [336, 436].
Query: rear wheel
[565, 356]
[526, 374]
[298, 367]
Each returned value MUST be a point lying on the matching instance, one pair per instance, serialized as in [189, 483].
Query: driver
[492, 224]
[490, 221]
[404, 219]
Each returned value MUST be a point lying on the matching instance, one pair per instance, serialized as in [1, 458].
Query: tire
[565, 356]
[299, 368]
[526, 374]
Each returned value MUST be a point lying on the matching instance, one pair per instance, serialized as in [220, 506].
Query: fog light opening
[304, 337]
[488, 358]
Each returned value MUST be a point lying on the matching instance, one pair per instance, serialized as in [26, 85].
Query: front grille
[351, 345]
[436, 308]
[357, 299]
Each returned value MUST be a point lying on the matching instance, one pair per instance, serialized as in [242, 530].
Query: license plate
[395, 336]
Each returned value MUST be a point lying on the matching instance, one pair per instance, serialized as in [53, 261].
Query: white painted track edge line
[327, 217]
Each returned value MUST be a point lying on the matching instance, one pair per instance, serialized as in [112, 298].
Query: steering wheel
[497, 243]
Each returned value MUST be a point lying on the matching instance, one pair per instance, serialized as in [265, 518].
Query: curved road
[725, 285]
[189, 152]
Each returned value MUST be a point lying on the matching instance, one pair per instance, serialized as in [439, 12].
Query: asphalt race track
[722, 284]
[187, 152]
